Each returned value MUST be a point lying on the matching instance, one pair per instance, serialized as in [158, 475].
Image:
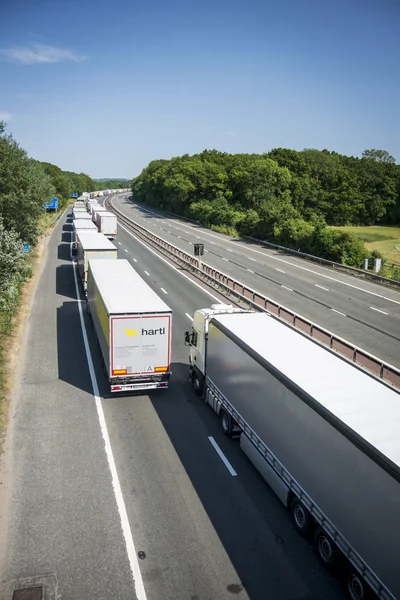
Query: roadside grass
[384, 239]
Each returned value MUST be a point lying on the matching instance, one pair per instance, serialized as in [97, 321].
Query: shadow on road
[72, 362]
[66, 236]
[63, 252]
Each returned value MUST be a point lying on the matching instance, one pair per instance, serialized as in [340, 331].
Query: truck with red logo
[132, 325]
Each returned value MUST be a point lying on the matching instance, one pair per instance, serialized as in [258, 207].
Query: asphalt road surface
[364, 313]
[108, 493]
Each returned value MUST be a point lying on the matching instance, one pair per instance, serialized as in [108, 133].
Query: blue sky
[105, 87]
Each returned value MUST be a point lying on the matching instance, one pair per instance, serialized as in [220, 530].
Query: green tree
[24, 188]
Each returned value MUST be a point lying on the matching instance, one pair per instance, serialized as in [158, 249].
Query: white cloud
[5, 116]
[39, 54]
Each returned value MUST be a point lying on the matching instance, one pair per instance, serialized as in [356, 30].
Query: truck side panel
[93, 255]
[353, 491]
[140, 344]
[101, 320]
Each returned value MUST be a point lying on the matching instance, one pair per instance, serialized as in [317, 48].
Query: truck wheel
[196, 384]
[226, 422]
[302, 520]
[354, 585]
[325, 548]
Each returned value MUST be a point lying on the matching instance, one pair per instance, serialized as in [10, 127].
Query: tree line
[284, 196]
[25, 186]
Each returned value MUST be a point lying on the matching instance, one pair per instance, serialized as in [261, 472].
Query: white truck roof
[123, 291]
[91, 240]
[78, 216]
[106, 213]
[365, 405]
[84, 224]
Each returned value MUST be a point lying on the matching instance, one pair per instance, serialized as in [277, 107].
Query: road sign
[26, 248]
[198, 249]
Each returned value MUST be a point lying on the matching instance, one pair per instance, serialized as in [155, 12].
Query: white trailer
[93, 207]
[79, 210]
[107, 224]
[81, 215]
[323, 434]
[96, 210]
[89, 246]
[82, 225]
[133, 327]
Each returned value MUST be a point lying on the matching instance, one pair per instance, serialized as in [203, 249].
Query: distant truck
[322, 433]
[91, 206]
[107, 224]
[133, 327]
[80, 214]
[89, 246]
[96, 210]
[82, 225]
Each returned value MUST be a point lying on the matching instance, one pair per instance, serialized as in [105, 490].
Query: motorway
[364, 313]
[126, 497]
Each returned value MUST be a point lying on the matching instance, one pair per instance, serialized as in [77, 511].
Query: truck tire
[326, 549]
[302, 520]
[354, 585]
[226, 422]
[196, 383]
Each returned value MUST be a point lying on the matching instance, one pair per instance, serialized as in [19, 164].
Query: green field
[384, 239]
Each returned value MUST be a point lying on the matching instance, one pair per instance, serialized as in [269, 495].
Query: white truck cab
[197, 340]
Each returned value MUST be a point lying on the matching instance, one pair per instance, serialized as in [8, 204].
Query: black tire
[226, 422]
[326, 549]
[302, 520]
[196, 383]
[354, 585]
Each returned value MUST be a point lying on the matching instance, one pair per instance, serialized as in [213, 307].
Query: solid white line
[250, 271]
[321, 287]
[162, 289]
[126, 250]
[169, 264]
[338, 312]
[287, 288]
[188, 316]
[227, 259]
[378, 310]
[280, 270]
[223, 457]
[147, 273]
[126, 530]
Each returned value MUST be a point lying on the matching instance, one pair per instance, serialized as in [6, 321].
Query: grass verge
[384, 239]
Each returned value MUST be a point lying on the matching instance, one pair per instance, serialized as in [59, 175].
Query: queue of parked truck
[322, 432]
[132, 324]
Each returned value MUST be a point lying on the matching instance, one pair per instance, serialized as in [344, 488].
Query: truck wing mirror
[187, 338]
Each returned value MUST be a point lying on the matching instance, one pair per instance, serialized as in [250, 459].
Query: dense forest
[284, 196]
